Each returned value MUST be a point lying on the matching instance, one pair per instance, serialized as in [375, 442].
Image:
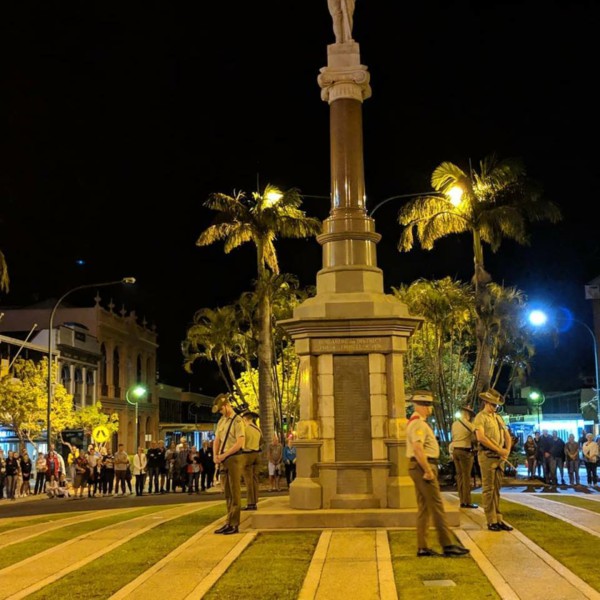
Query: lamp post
[126, 280]
[454, 196]
[539, 318]
[138, 391]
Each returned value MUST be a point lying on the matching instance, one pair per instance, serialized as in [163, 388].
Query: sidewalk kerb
[74, 566]
[385, 570]
[587, 590]
[315, 569]
[505, 591]
[200, 590]
[132, 585]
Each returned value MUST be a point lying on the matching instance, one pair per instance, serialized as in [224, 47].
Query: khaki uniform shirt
[252, 438]
[418, 430]
[492, 426]
[462, 434]
[237, 430]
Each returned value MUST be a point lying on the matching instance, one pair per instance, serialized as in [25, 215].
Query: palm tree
[497, 203]
[260, 219]
[4, 279]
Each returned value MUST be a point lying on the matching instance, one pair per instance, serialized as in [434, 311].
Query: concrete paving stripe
[31, 531]
[587, 590]
[136, 583]
[500, 584]
[178, 512]
[315, 569]
[385, 570]
[546, 505]
[202, 588]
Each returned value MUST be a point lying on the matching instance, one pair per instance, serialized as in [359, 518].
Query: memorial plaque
[352, 408]
[350, 345]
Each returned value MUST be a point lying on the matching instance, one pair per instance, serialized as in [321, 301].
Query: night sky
[120, 118]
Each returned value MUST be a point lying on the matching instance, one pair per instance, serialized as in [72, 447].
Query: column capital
[344, 76]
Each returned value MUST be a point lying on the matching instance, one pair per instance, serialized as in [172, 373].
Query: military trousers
[231, 480]
[463, 463]
[251, 465]
[491, 482]
[429, 505]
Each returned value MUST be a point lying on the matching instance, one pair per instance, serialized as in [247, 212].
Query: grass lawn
[273, 567]
[24, 522]
[571, 546]
[578, 501]
[22, 550]
[411, 572]
[109, 573]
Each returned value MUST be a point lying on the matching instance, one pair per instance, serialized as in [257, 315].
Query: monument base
[276, 513]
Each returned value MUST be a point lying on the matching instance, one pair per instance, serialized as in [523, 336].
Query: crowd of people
[548, 456]
[98, 471]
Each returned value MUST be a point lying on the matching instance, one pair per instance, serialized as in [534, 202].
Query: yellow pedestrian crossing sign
[100, 434]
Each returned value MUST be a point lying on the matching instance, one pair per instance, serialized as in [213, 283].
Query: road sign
[100, 434]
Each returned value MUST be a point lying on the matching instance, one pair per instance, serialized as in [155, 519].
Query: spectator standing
[590, 457]
[194, 469]
[530, 456]
[12, 473]
[81, 475]
[52, 465]
[140, 463]
[108, 472]
[93, 458]
[162, 465]
[275, 456]
[572, 455]
[181, 474]
[253, 443]
[423, 451]
[494, 447]
[73, 454]
[289, 461]
[463, 438]
[154, 460]
[2, 473]
[539, 456]
[208, 465]
[229, 444]
[558, 458]
[26, 466]
[548, 465]
[171, 466]
[121, 467]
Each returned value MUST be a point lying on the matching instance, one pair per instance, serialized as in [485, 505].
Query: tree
[260, 220]
[497, 203]
[4, 279]
[24, 401]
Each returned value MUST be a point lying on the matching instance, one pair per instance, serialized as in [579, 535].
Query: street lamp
[454, 196]
[138, 391]
[538, 318]
[126, 280]
[536, 398]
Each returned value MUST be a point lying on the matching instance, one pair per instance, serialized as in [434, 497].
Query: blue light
[80, 262]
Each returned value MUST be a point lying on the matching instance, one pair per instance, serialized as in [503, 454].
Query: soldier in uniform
[494, 447]
[228, 446]
[253, 443]
[462, 454]
[423, 452]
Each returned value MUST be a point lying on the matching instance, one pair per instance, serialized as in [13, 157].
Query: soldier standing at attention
[229, 443]
[494, 447]
[462, 454]
[423, 452]
[253, 443]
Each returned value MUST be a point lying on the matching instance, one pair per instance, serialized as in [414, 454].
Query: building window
[116, 368]
[103, 365]
[65, 375]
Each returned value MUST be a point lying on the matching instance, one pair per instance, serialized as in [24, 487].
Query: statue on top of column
[342, 12]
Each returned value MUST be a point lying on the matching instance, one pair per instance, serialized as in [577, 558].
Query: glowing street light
[126, 280]
[138, 392]
[538, 318]
[454, 196]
